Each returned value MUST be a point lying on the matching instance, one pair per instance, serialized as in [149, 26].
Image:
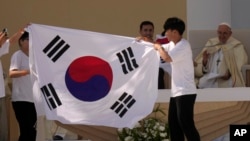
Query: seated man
[220, 61]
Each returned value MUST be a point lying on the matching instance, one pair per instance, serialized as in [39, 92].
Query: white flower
[129, 138]
[163, 134]
[161, 128]
[137, 125]
[157, 124]
[153, 132]
[144, 135]
[120, 130]
[145, 130]
[127, 130]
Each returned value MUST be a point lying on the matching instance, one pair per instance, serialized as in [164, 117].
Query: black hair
[146, 23]
[174, 23]
[23, 37]
[163, 33]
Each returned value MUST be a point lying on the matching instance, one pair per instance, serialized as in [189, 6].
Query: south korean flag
[92, 78]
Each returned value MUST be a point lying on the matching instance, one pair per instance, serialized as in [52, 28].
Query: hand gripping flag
[92, 78]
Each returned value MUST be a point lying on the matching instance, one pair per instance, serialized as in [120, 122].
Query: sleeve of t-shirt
[166, 47]
[15, 62]
[179, 52]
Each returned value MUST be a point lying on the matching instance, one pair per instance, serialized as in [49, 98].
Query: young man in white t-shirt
[179, 54]
[22, 93]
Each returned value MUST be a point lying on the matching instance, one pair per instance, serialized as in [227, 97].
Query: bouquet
[148, 129]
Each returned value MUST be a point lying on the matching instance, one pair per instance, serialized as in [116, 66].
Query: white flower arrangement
[148, 129]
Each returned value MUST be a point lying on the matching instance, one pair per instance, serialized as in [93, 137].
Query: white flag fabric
[92, 78]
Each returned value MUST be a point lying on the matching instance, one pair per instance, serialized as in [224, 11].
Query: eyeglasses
[223, 33]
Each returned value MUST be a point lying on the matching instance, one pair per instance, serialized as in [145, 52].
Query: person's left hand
[226, 76]
[157, 46]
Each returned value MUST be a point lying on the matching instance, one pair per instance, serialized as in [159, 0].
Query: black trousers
[26, 117]
[161, 84]
[180, 118]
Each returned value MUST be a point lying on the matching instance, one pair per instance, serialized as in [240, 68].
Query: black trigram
[127, 60]
[50, 96]
[55, 48]
[122, 105]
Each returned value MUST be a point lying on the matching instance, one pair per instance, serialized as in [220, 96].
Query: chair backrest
[198, 39]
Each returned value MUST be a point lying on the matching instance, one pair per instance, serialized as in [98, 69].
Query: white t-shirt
[4, 49]
[22, 86]
[182, 68]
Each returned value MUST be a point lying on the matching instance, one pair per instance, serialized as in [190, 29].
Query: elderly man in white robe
[219, 63]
